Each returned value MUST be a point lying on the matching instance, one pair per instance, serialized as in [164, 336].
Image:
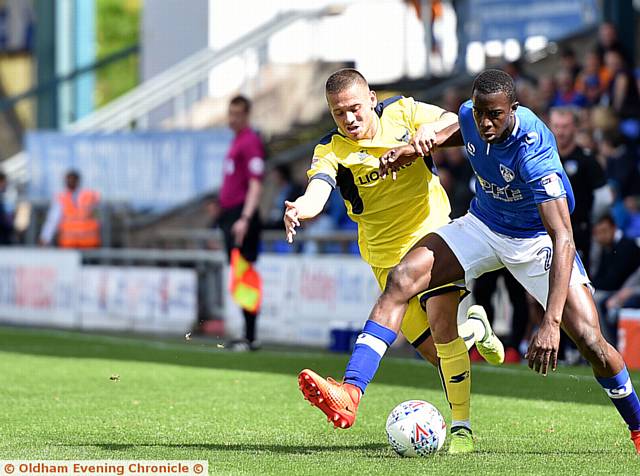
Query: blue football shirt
[514, 176]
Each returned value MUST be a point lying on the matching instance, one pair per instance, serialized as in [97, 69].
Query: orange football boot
[339, 401]
[635, 437]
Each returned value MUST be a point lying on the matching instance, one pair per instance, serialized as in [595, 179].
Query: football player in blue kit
[519, 219]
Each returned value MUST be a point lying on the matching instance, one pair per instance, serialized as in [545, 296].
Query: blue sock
[370, 346]
[622, 394]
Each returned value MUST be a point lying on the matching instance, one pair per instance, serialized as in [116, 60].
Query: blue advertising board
[152, 170]
[485, 20]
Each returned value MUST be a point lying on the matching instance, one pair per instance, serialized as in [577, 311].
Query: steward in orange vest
[79, 228]
[73, 216]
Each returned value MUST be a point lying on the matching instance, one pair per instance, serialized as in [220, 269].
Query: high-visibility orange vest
[78, 227]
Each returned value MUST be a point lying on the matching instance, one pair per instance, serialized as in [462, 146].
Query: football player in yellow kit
[391, 216]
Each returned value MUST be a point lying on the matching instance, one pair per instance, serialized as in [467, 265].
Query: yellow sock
[455, 371]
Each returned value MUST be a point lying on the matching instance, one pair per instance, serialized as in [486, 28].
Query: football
[416, 428]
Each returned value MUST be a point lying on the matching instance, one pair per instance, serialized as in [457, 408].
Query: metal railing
[333, 241]
[174, 86]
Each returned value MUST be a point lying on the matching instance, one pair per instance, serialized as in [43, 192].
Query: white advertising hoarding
[140, 299]
[304, 298]
[52, 288]
[39, 287]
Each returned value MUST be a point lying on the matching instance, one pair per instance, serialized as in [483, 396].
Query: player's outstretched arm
[543, 349]
[453, 137]
[307, 206]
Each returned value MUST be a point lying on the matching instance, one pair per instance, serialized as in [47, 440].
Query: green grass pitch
[243, 413]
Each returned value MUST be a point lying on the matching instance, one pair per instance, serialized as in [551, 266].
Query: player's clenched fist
[393, 159]
[291, 220]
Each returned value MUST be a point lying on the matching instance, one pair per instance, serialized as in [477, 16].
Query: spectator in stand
[73, 216]
[239, 198]
[592, 91]
[286, 189]
[608, 40]
[526, 94]
[585, 139]
[622, 92]
[594, 72]
[515, 70]
[622, 173]
[566, 94]
[525, 84]
[6, 218]
[621, 165]
[546, 94]
[618, 257]
[627, 296]
[632, 206]
[603, 120]
[570, 63]
[585, 175]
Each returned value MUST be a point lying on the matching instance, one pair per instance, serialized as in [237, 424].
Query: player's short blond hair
[343, 79]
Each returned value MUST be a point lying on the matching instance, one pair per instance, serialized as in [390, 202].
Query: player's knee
[408, 278]
[398, 283]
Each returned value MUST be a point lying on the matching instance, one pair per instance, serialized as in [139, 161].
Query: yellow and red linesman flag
[246, 285]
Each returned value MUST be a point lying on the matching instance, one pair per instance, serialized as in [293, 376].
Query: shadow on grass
[512, 381]
[247, 448]
[376, 450]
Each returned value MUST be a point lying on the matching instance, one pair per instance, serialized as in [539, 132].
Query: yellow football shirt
[391, 215]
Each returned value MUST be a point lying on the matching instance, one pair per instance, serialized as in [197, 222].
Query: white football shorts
[480, 250]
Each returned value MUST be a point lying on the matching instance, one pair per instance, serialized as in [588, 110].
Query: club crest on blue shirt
[507, 173]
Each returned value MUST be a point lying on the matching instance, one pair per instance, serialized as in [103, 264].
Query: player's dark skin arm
[454, 139]
[393, 159]
[543, 349]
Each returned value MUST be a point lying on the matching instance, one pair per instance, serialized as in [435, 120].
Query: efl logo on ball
[416, 428]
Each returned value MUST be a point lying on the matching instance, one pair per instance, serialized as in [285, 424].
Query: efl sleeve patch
[552, 185]
[324, 166]
[549, 187]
